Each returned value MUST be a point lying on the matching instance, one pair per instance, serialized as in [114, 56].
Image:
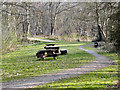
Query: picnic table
[50, 44]
[50, 51]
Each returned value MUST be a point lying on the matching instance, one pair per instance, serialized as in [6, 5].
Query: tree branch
[66, 9]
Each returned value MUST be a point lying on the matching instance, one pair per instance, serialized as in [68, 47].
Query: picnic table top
[51, 46]
[47, 50]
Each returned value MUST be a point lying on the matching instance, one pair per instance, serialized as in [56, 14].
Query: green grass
[104, 53]
[97, 79]
[23, 62]
[91, 48]
[101, 78]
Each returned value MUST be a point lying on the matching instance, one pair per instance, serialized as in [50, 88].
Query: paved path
[43, 40]
[100, 62]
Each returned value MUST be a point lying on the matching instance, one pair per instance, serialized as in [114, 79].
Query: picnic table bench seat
[47, 53]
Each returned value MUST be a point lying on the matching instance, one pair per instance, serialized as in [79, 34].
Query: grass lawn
[97, 79]
[101, 78]
[23, 63]
[107, 54]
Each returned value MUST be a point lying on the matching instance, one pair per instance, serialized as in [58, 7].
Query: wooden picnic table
[50, 51]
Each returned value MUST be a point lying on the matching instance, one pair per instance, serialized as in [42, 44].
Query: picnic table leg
[54, 57]
[42, 58]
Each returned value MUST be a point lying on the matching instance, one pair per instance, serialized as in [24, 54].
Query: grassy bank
[23, 62]
[102, 78]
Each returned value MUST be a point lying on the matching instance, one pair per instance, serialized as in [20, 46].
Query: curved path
[100, 62]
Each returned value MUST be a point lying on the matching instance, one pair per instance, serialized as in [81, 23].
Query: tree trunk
[97, 21]
[118, 42]
[79, 35]
[100, 32]
[24, 37]
[25, 25]
[52, 29]
[28, 23]
[52, 24]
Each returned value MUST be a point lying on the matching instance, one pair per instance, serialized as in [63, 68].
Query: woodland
[72, 22]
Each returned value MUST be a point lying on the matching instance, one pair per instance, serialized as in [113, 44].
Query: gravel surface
[100, 62]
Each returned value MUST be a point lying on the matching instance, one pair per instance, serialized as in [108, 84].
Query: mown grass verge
[102, 78]
[23, 62]
[97, 79]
